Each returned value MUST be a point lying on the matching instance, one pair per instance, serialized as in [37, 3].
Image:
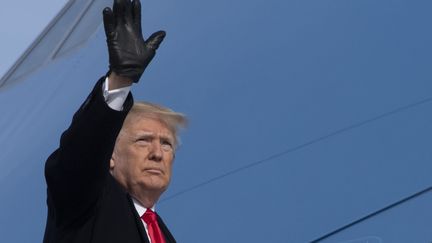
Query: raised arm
[76, 172]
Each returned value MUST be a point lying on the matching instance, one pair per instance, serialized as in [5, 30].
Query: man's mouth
[154, 171]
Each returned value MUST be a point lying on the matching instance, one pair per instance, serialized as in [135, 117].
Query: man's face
[143, 156]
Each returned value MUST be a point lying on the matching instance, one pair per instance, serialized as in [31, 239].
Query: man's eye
[166, 145]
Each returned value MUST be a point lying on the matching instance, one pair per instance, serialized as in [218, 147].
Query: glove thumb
[155, 39]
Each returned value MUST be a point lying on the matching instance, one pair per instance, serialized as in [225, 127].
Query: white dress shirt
[115, 98]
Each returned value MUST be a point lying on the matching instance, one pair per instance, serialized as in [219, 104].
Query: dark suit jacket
[85, 203]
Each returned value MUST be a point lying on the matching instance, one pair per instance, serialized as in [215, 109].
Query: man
[114, 161]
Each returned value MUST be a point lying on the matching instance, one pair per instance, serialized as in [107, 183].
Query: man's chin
[154, 186]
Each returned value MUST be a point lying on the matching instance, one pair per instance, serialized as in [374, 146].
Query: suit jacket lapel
[138, 222]
[168, 237]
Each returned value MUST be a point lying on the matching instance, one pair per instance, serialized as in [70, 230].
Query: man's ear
[112, 162]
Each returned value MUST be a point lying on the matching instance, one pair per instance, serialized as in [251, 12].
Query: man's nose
[156, 152]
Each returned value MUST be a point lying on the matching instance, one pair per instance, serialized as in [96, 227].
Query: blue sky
[20, 23]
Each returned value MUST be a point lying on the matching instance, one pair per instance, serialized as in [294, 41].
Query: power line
[303, 145]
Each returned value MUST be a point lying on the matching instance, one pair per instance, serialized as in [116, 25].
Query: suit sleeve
[77, 171]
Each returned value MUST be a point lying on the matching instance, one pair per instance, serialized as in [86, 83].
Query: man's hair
[173, 120]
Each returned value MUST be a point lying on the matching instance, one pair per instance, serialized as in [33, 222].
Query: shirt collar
[140, 208]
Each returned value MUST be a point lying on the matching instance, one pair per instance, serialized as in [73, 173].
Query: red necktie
[154, 231]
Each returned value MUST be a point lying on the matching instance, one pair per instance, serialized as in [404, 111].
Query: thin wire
[298, 147]
[373, 214]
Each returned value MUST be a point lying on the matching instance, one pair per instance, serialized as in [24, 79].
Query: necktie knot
[149, 216]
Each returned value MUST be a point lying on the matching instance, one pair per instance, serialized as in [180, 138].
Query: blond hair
[173, 120]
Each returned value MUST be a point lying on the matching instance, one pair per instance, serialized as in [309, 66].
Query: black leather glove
[129, 53]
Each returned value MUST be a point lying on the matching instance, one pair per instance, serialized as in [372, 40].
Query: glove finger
[109, 22]
[136, 10]
[128, 14]
[119, 10]
[155, 39]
